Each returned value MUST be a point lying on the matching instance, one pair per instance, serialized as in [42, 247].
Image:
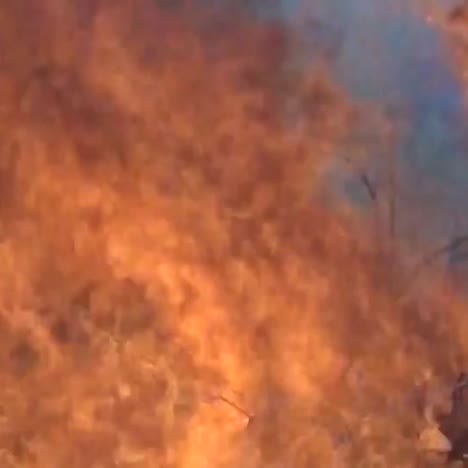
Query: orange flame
[174, 291]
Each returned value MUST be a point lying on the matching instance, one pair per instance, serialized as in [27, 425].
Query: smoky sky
[392, 57]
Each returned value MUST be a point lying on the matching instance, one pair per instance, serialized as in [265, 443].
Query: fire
[176, 291]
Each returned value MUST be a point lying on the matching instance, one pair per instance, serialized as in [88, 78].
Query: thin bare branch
[235, 406]
[435, 254]
[364, 179]
[430, 258]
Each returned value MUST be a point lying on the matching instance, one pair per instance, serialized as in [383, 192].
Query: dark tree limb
[235, 406]
[364, 178]
[434, 255]
[430, 258]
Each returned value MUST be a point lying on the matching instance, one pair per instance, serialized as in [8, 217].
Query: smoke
[179, 286]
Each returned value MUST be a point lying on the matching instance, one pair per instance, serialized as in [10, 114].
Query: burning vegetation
[178, 289]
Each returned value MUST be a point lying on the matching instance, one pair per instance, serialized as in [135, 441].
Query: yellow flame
[174, 293]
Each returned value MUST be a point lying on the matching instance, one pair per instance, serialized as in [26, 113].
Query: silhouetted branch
[437, 253]
[431, 257]
[365, 180]
[371, 190]
[236, 407]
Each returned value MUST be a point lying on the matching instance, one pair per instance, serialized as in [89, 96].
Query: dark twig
[364, 179]
[371, 190]
[431, 257]
[236, 407]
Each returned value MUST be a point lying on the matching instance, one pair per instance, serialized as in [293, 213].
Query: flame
[175, 291]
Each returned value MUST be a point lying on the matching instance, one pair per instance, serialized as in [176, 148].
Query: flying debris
[455, 424]
[459, 13]
[449, 434]
[458, 23]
